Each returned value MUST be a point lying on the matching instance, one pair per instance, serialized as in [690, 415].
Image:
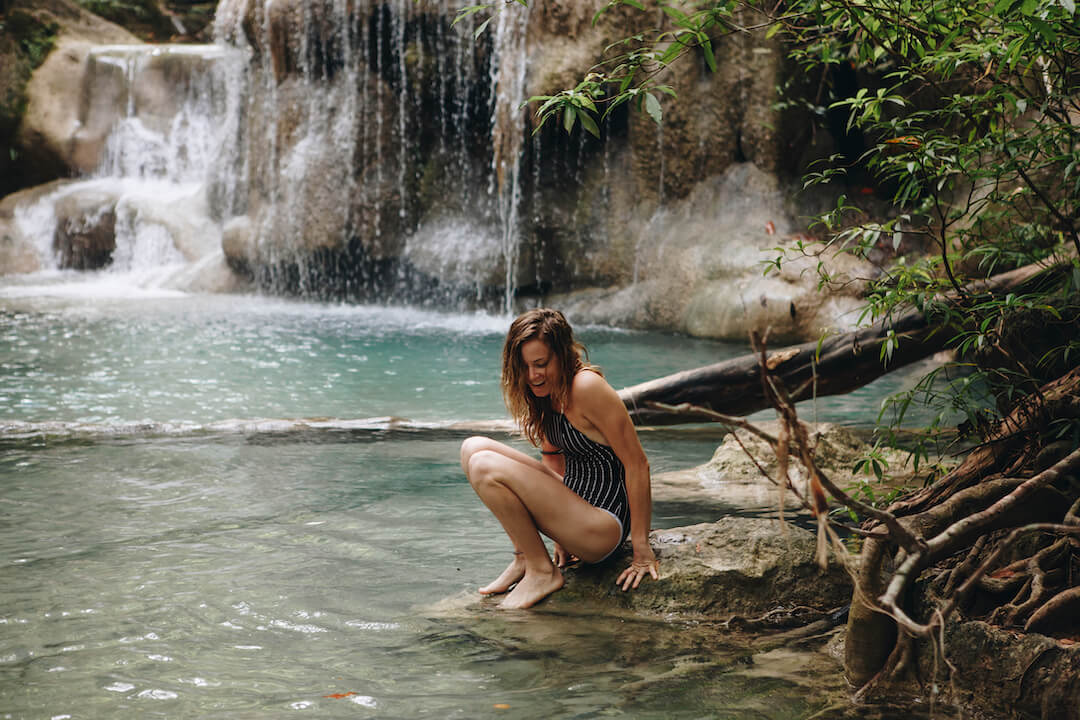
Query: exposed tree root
[998, 526]
[1062, 610]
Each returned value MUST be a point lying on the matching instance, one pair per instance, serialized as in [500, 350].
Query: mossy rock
[735, 566]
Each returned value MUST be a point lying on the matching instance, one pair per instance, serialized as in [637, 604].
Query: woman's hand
[644, 563]
[563, 558]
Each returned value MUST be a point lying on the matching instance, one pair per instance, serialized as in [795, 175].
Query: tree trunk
[842, 363]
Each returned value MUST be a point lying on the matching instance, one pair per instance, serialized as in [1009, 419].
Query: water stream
[208, 511]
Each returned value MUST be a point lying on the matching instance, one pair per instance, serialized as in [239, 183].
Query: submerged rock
[735, 566]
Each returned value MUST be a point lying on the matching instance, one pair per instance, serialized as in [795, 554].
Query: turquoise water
[206, 512]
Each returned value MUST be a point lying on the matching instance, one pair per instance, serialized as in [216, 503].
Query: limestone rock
[15, 256]
[238, 245]
[733, 477]
[735, 566]
[697, 266]
[55, 91]
[210, 274]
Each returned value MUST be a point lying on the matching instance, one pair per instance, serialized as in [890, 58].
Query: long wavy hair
[550, 327]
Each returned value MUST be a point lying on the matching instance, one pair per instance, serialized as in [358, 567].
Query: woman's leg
[516, 569]
[527, 498]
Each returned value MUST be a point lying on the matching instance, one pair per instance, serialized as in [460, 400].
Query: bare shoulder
[590, 390]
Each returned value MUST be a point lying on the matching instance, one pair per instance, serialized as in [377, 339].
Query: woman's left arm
[603, 407]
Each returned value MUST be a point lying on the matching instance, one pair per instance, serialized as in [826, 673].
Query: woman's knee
[482, 466]
[471, 446]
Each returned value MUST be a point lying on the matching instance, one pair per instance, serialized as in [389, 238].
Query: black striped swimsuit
[593, 471]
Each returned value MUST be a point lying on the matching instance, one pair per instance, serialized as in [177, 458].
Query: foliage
[34, 38]
[632, 66]
[970, 113]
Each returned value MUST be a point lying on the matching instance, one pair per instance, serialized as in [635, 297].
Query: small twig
[729, 420]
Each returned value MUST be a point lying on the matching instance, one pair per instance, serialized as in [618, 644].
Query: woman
[589, 490]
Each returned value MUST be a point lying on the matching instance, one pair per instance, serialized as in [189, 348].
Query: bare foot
[513, 572]
[533, 588]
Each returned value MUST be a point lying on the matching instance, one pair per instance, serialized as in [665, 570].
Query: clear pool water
[206, 511]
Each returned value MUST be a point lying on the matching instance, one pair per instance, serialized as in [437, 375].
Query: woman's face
[541, 366]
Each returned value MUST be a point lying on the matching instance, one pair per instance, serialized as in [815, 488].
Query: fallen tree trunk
[837, 365]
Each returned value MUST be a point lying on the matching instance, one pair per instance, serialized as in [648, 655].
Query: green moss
[34, 39]
[26, 42]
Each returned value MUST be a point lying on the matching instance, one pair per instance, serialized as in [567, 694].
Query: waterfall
[173, 136]
[150, 131]
[365, 149]
[508, 134]
[367, 127]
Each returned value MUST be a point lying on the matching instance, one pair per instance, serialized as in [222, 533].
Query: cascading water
[357, 149]
[508, 78]
[152, 120]
[367, 147]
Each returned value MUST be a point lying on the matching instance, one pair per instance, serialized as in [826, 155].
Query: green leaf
[710, 59]
[585, 102]
[652, 106]
[588, 123]
[1045, 30]
[1003, 5]
[467, 11]
[569, 116]
[481, 28]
